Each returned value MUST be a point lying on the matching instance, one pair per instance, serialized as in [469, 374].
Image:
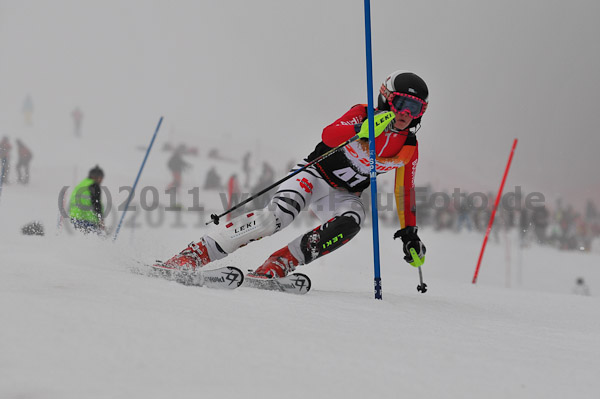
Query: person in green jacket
[85, 209]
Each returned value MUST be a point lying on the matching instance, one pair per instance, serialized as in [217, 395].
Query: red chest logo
[306, 185]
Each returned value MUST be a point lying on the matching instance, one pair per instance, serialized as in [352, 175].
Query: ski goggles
[401, 102]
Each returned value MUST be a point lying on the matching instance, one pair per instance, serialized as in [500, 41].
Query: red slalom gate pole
[487, 233]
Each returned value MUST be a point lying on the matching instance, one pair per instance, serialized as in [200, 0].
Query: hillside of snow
[76, 322]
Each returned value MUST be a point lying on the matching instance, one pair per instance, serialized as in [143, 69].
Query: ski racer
[332, 187]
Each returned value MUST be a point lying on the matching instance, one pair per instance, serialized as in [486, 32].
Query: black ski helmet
[96, 172]
[403, 82]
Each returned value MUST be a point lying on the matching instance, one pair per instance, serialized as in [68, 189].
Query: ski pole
[215, 218]
[131, 193]
[422, 287]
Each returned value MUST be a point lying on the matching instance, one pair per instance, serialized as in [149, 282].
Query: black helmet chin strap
[417, 128]
[410, 129]
[397, 131]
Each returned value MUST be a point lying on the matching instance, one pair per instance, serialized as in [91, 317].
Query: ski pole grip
[417, 262]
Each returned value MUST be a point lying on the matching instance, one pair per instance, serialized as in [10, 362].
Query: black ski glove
[410, 239]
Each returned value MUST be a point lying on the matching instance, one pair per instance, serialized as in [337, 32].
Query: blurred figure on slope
[85, 209]
[77, 116]
[267, 177]
[28, 110]
[234, 194]
[332, 187]
[5, 148]
[540, 218]
[246, 169]
[24, 157]
[581, 287]
[464, 216]
[213, 180]
[177, 165]
[591, 212]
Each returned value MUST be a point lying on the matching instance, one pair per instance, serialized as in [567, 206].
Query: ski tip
[302, 281]
[295, 283]
[235, 276]
[228, 277]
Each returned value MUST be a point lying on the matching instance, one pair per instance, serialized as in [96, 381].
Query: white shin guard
[244, 229]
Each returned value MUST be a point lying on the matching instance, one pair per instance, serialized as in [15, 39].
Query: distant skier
[28, 110]
[177, 165]
[464, 216]
[86, 210]
[332, 187]
[23, 160]
[246, 168]
[5, 148]
[581, 288]
[213, 180]
[77, 116]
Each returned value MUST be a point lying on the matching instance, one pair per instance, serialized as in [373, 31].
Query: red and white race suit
[330, 189]
[348, 168]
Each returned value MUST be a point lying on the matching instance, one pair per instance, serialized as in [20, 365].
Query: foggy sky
[272, 74]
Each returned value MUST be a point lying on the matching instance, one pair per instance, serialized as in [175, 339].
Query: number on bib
[350, 176]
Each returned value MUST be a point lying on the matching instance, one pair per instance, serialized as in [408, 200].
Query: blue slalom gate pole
[372, 153]
[131, 193]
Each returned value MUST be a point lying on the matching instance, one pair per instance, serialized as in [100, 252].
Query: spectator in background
[213, 180]
[28, 110]
[246, 169]
[524, 224]
[267, 177]
[234, 196]
[177, 165]
[5, 148]
[213, 153]
[24, 158]
[267, 174]
[77, 116]
[541, 220]
[464, 216]
[581, 288]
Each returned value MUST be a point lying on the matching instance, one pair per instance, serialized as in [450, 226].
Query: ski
[228, 277]
[295, 283]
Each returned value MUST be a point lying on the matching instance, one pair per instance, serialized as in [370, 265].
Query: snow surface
[77, 323]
